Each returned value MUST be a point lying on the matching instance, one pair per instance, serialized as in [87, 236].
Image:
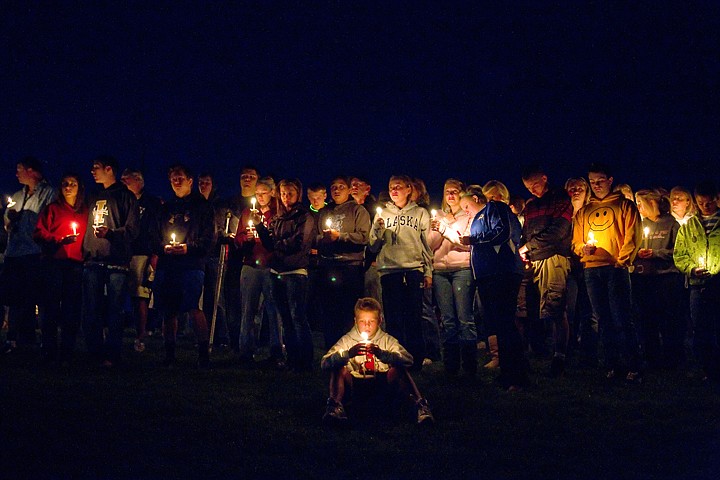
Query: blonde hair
[451, 182]
[499, 187]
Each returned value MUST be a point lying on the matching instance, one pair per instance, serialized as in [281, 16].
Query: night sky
[312, 89]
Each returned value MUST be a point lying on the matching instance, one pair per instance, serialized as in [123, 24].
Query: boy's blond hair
[368, 304]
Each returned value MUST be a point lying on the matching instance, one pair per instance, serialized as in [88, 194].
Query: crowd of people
[392, 284]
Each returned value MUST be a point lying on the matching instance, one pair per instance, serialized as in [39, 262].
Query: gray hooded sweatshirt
[403, 242]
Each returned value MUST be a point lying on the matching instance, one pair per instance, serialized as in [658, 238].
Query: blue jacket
[494, 238]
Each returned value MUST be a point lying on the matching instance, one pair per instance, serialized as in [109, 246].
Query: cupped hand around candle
[101, 232]
[177, 249]
[68, 239]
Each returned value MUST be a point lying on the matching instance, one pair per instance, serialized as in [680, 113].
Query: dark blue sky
[437, 90]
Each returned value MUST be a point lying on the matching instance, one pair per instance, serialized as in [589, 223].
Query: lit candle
[646, 232]
[328, 223]
[364, 336]
[591, 239]
[97, 222]
[253, 200]
[10, 202]
[74, 226]
[701, 262]
[378, 210]
[251, 226]
[172, 239]
[433, 213]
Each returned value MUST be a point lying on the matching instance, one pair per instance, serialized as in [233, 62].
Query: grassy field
[143, 421]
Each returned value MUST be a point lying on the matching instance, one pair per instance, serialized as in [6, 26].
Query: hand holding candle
[589, 248]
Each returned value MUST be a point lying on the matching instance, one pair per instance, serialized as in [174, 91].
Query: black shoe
[335, 414]
[634, 378]
[424, 415]
[557, 367]
[9, 347]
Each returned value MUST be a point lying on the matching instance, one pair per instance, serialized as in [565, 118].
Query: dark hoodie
[190, 218]
[116, 208]
[290, 238]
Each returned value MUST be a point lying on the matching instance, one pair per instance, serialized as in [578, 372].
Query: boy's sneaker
[9, 346]
[634, 378]
[424, 415]
[334, 413]
[139, 345]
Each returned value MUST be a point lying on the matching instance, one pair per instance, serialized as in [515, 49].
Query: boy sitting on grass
[368, 356]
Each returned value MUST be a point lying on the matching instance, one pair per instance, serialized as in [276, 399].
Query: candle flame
[364, 336]
[328, 222]
[250, 223]
[646, 231]
[378, 210]
[433, 212]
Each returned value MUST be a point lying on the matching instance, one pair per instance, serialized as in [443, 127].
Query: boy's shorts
[137, 277]
[178, 291]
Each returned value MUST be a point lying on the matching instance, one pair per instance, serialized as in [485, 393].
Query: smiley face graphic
[601, 218]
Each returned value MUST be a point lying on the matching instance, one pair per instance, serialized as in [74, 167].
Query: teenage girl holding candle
[60, 231]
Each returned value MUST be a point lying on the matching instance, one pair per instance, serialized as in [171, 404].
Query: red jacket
[54, 224]
[253, 252]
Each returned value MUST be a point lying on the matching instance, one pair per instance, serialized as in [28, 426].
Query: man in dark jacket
[187, 233]
[547, 233]
[112, 226]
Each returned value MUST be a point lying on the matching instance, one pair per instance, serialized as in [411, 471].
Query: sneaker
[557, 367]
[424, 415]
[139, 345]
[9, 346]
[634, 378]
[334, 413]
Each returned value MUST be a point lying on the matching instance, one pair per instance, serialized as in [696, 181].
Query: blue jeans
[62, 301]
[611, 299]
[102, 309]
[454, 296]
[290, 294]
[705, 313]
[253, 283]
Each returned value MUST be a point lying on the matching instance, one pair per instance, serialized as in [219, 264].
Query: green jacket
[692, 244]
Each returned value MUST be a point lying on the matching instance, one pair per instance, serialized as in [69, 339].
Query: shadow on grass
[144, 421]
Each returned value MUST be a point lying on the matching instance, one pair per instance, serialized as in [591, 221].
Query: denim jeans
[611, 299]
[62, 302]
[402, 301]
[498, 294]
[103, 291]
[454, 292]
[705, 313]
[253, 283]
[290, 294]
[339, 288]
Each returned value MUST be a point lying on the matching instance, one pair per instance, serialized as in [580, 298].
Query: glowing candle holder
[74, 226]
